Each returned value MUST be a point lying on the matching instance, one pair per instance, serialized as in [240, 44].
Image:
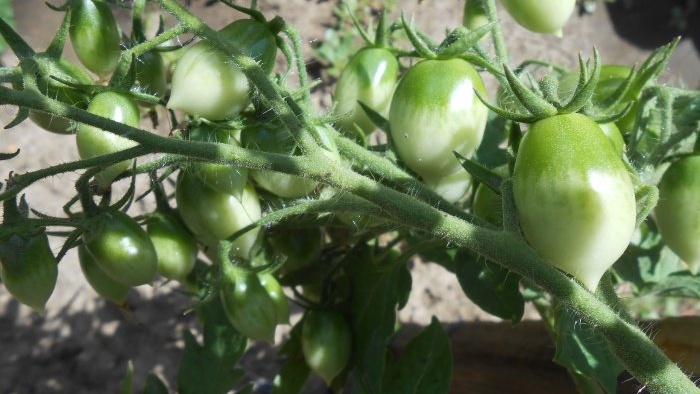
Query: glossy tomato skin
[28, 269]
[434, 112]
[94, 142]
[95, 36]
[369, 77]
[122, 249]
[326, 343]
[541, 16]
[678, 211]
[175, 248]
[207, 84]
[213, 216]
[221, 177]
[488, 205]
[99, 280]
[271, 140]
[248, 306]
[274, 290]
[66, 71]
[573, 195]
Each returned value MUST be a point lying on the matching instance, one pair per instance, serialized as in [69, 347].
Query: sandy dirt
[83, 343]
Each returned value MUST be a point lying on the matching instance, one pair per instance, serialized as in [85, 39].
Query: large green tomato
[369, 77]
[434, 112]
[541, 16]
[28, 269]
[573, 195]
[326, 343]
[122, 249]
[213, 216]
[206, 83]
[678, 211]
[224, 178]
[248, 306]
[96, 142]
[95, 36]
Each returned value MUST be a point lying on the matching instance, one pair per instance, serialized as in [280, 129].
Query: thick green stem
[499, 42]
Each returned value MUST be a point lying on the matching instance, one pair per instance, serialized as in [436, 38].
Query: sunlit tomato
[96, 142]
[678, 211]
[435, 112]
[213, 216]
[122, 249]
[206, 83]
[541, 16]
[274, 290]
[369, 77]
[574, 196]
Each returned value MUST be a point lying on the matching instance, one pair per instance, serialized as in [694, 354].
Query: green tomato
[678, 212]
[274, 290]
[94, 142]
[452, 187]
[95, 36]
[221, 177]
[474, 15]
[541, 16]
[213, 216]
[326, 343]
[206, 83]
[271, 140]
[66, 71]
[614, 136]
[248, 306]
[369, 77]
[122, 249]
[28, 269]
[150, 74]
[175, 248]
[574, 196]
[301, 247]
[434, 112]
[99, 280]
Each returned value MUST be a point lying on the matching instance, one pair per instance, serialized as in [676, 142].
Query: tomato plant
[677, 214]
[330, 219]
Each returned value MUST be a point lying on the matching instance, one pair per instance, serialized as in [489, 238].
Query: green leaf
[490, 152]
[128, 383]
[294, 371]
[210, 368]
[375, 297]
[679, 284]
[425, 367]
[154, 385]
[582, 351]
[490, 286]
